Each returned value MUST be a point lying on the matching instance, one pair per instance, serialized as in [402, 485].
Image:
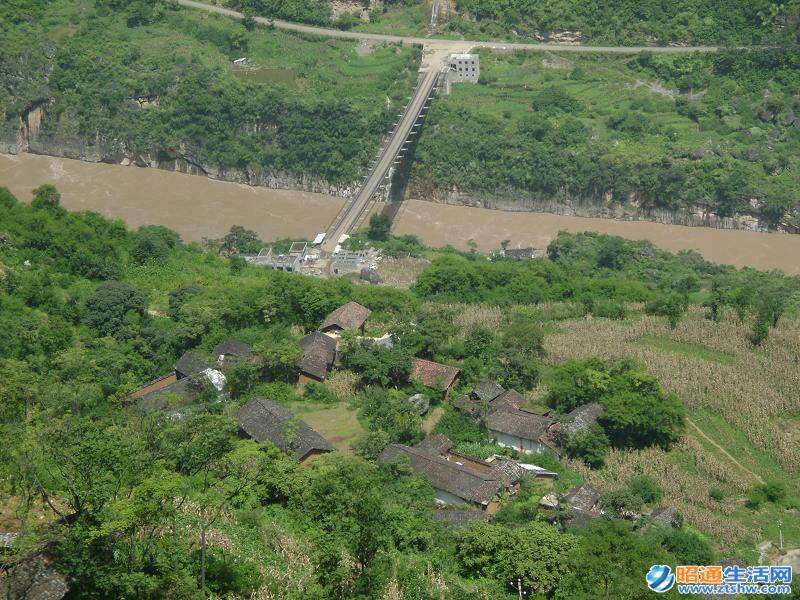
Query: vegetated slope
[713, 133]
[634, 22]
[118, 80]
[146, 505]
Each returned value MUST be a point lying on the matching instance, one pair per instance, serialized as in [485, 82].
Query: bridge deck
[353, 211]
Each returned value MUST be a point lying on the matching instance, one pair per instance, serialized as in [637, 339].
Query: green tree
[114, 308]
[47, 197]
[379, 227]
[590, 444]
[536, 552]
[610, 563]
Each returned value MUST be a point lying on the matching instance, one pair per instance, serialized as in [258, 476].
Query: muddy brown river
[197, 207]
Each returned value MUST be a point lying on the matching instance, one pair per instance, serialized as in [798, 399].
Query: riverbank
[198, 207]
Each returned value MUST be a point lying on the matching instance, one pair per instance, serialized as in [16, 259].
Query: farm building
[434, 375]
[319, 352]
[348, 316]
[456, 477]
[267, 421]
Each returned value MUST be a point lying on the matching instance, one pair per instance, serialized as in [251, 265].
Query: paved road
[460, 45]
[352, 213]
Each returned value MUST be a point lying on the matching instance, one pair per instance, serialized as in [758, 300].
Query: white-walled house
[518, 429]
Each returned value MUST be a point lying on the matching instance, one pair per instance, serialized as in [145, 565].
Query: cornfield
[756, 391]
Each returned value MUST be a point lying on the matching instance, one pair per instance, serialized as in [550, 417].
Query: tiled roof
[666, 516]
[264, 420]
[508, 471]
[487, 391]
[349, 316]
[508, 399]
[436, 444]
[434, 375]
[583, 498]
[581, 418]
[446, 475]
[232, 348]
[518, 423]
[177, 396]
[319, 352]
[191, 362]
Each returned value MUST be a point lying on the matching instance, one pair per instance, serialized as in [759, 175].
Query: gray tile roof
[518, 423]
[176, 397]
[583, 497]
[191, 362]
[233, 348]
[487, 391]
[348, 316]
[446, 475]
[437, 445]
[319, 352]
[508, 399]
[264, 420]
[665, 516]
[581, 418]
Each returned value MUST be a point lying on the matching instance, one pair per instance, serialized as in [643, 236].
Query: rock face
[630, 210]
[33, 579]
[179, 160]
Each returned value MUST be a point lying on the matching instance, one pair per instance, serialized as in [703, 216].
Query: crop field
[743, 409]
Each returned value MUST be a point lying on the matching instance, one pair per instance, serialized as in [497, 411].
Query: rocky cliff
[173, 159]
[631, 210]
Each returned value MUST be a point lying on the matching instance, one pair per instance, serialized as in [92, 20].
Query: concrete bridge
[391, 151]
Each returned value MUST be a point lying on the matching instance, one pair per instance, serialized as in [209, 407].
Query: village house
[267, 421]
[319, 353]
[520, 253]
[434, 375]
[507, 423]
[348, 316]
[231, 353]
[181, 396]
[577, 420]
[456, 477]
[175, 392]
[191, 362]
[667, 517]
[519, 429]
[582, 501]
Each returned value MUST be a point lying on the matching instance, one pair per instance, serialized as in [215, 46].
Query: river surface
[198, 207]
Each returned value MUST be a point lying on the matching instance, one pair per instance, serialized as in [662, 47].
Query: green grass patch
[338, 424]
[666, 344]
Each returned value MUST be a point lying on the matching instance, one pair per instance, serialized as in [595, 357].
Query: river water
[197, 207]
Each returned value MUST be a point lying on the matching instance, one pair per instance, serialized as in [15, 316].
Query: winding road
[440, 43]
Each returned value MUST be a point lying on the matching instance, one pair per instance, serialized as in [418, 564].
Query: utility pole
[516, 585]
[780, 533]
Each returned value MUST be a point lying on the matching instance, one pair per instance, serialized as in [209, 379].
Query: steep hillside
[688, 139]
[155, 85]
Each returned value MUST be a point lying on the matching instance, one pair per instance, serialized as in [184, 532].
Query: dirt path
[432, 419]
[723, 451]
